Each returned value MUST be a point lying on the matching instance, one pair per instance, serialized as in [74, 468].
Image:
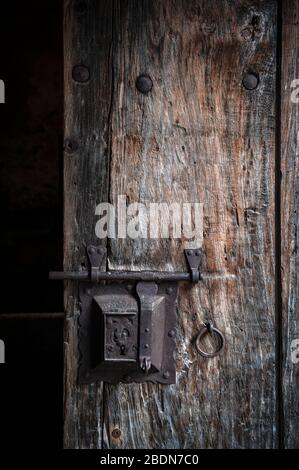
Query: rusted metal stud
[250, 81]
[70, 146]
[144, 84]
[80, 73]
[80, 6]
[116, 433]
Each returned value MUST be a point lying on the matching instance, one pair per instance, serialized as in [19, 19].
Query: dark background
[31, 126]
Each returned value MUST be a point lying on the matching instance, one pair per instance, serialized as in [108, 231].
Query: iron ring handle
[209, 328]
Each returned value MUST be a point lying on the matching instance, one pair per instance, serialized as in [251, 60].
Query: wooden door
[208, 131]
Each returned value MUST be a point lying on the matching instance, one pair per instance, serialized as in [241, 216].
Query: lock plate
[127, 333]
[119, 327]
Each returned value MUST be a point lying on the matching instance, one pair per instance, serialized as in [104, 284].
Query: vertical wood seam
[109, 130]
[278, 239]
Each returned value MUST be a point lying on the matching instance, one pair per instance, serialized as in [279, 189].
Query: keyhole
[122, 350]
[125, 334]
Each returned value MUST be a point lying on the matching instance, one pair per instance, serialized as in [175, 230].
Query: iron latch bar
[96, 255]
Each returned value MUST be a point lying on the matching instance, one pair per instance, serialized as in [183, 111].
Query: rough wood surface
[87, 39]
[290, 216]
[198, 136]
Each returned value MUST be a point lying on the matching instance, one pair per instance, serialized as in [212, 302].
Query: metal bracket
[147, 292]
[95, 257]
[194, 258]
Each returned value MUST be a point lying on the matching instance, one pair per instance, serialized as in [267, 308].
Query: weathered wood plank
[290, 217]
[87, 39]
[201, 136]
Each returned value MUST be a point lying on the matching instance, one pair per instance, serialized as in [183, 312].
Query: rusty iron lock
[128, 335]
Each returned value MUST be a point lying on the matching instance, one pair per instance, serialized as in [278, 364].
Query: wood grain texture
[290, 216]
[87, 42]
[200, 136]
